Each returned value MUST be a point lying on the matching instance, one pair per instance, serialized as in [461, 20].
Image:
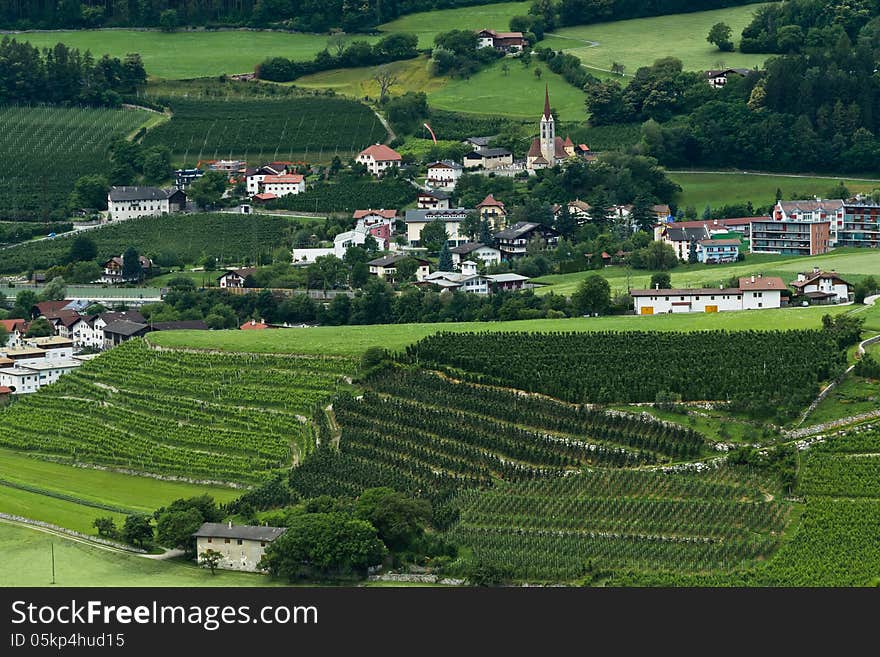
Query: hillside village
[347, 317]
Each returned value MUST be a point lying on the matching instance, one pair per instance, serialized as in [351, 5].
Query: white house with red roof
[278, 186]
[378, 223]
[753, 292]
[378, 158]
[15, 330]
[503, 41]
[822, 286]
[493, 211]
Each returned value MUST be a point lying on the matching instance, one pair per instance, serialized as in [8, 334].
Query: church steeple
[547, 114]
[548, 131]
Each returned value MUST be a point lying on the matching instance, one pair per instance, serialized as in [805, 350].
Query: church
[548, 150]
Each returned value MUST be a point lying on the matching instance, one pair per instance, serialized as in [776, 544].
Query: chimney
[759, 276]
[230, 524]
[815, 270]
[657, 286]
[753, 278]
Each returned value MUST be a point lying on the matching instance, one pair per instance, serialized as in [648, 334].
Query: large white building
[131, 202]
[241, 547]
[813, 211]
[378, 158]
[283, 185]
[341, 244]
[444, 175]
[416, 220]
[40, 362]
[753, 292]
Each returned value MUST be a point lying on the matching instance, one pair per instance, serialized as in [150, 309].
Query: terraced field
[224, 418]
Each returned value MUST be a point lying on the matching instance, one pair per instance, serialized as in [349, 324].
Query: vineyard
[189, 237]
[213, 417]
[298, 128]
[418, 431]
[570, 527]
[43, 150]
[778, 368]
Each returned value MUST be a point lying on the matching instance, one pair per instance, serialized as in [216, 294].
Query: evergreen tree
[444, 262]
[131, 265]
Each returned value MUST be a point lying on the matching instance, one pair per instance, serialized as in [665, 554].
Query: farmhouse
[386, 267]
[123, 330]
[475, 250]
[443, 175]
[130, 202]
[718, 77]
[468, 280]
[416, 220]
[489, 158]
[512, 241]
[242, 546]
[493, 211]
[378, 158]
[234, 278]
[255, 175]
[822, 286]
[283, 185]
[434, 200]
[752, 293]
[113, 270]
[503, 41]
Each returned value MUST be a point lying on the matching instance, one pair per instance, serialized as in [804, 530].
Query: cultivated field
[412, 75]
[641, 41]
[43, 150]
[717, 189]
[27, 561]
[183, 55]
[296, 128]
[229, 418]
[353, 340]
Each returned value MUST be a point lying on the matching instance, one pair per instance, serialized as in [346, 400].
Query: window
[225, 540]
[238, 541]
[262, 543]
[210, 540]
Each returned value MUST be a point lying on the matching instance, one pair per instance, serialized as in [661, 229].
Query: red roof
[381, 153]
[253, 325]
[48, 308]
[761, 283]
[11, 324]
[388, 214]
[265, 196]
[490, 201]
[568, 141]
[293, 178]
[5, 391]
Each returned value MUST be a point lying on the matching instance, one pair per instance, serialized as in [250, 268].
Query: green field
[489, 92]
[717, 189]
[426, 25]
[27, 561]
[412, 75]
[851, 263]
[641, 41]
[183, 55]
[64, 513]
[353, 340]
[74, 140]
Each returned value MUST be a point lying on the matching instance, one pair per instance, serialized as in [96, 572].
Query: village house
[242, 546]
[710, 252]
[123, 330]
[341, 243]
[577, 209]
[15, 331]
[378, 223]
[752, 293]
[38, 362]
[717, 78]
[131, 202]
[507, 42]
[386, 267]
[112, 270]
[493, 211]
[489, 158]
[83, 333]
[234, 278]
[475, 251]
[183, 178]
[378, 158]
[680, 237]
[714, 227]
[444, 175]
[468, 280]
[255, 175]
[822, 286]
[434, 200]
[271, 187]
[513, 241]
[416, 220]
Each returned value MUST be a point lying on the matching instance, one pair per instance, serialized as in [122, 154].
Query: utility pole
[52, 547]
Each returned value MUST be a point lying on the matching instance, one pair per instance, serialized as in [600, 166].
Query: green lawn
[429, 23]
[63, 513]
[189, 54]
[353, 340]
[852, 263]
[717, 189]
[412, 75]
[489, 92]
[714, 424]
[113, 488]
[855, 395]
[639, 42]
[27, 562]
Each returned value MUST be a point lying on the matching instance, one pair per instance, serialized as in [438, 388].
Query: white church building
[548, 150]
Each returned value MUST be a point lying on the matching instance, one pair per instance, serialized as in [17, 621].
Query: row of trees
[65, 75]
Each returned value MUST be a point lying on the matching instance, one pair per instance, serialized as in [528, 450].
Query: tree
[405, 270]
[617, 68]
[385, 79]
[210, 559]
[642, 214]
[658, 256]
[24, 301]
[175, 529]
[327, 272]
[661, 280]
[538, 72]
[207, 190]
[106, 527]
[399, 519]
[485, 236]
[565, 222]
[168, 20]
[82, 248]
[4, 335]
[324, 544]
[131, 265]
[692, 252]
[89, 192]
[505, 69]
[593, 296]
[360, 274]
[137, 530]
[444, 262]
[719, 35]
[434, 236]
[157, 164]
[55, 290]
[39, 328]
[470, 225]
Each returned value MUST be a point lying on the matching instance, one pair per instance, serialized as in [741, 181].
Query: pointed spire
[547, 114]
